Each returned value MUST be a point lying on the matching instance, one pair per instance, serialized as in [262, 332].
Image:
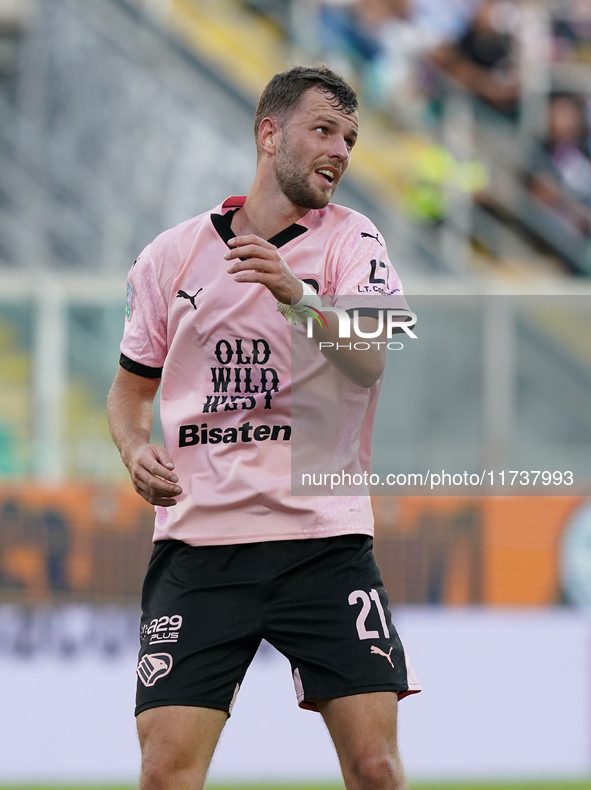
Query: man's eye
[322, 129]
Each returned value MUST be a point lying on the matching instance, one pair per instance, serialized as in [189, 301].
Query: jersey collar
[222, 223]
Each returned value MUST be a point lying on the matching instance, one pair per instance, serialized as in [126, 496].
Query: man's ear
[269, 135]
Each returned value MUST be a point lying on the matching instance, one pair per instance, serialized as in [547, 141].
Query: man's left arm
[263, 263]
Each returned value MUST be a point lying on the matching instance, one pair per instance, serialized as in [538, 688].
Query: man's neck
[264, 214]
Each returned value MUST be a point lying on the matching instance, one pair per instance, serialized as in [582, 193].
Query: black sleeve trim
[139, 369]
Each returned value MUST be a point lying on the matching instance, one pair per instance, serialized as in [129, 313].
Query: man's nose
[340, 150]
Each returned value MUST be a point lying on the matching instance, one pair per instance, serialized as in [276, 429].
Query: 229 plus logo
[162, 629]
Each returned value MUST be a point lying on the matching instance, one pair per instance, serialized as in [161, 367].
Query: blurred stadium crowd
[524, 69]
[476, 122]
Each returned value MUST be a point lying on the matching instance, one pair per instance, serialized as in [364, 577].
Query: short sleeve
[363, 266]
[364, 278]
[144, 344]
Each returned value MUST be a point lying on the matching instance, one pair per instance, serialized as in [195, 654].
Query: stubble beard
[294, 182]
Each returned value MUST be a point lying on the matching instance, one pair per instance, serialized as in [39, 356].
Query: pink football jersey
[224, 353]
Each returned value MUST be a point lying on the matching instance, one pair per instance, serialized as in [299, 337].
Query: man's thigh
[363, 728]
[200, 626]
[177, 745]
[329, 615]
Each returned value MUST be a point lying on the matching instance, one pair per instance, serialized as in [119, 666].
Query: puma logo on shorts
[376, 651]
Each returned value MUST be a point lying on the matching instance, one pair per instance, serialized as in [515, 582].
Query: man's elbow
[368, 377]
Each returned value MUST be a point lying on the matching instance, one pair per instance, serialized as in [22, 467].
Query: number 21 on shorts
[366, 602]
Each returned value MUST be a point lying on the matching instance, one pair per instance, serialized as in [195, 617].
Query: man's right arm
[130, 409]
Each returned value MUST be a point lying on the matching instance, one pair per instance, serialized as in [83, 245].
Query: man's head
[306, 122]
[567, 122]
[284, 91]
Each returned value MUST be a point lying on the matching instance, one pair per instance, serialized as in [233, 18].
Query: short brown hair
[284, 91]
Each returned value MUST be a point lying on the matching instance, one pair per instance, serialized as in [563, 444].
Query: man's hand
[264, 265]
[130, 406]
[152, 475]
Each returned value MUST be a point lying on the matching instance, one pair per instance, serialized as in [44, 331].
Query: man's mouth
[327, 174]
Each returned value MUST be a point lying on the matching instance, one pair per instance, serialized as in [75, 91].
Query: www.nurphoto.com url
[432, 480]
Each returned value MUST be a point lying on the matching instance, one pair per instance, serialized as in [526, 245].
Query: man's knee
[157, 772]
[378, 771]
[167, 759]
[164, 766]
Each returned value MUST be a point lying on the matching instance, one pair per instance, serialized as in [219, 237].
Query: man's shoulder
[339, 213]
[185, 229]
[172, 246]
[347, 218]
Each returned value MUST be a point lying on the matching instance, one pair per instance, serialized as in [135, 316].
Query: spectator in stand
[391, 76]
[571, 33]
[483, 59]
[560, 170]
[384, 40]
[351, 33]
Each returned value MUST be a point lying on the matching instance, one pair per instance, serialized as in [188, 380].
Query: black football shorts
[320, 602]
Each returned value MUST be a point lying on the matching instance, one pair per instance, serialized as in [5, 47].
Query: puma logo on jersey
[370, 236]
[154, 666]
[378, 652]
[184, 295]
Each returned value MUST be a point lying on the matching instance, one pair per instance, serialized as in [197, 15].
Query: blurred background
[121, 118]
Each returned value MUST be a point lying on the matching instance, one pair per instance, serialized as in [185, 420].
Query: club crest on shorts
[154, 666]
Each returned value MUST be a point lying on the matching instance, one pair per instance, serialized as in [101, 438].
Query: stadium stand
[98, 160]
[471, 76]
[415, 175]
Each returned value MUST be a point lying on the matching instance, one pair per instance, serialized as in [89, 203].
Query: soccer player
[236, 557]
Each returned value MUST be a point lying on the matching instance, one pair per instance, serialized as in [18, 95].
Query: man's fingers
[156, 484]
[157, 462]
[163, 472]
[163, 457]
[257, 264]
[252, 251]
[241, 241]
[153, 494]
[154, 499]
[258, 261]
[254, 277]
[154, 477]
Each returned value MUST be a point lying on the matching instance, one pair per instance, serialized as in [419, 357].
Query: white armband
[299, 311]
